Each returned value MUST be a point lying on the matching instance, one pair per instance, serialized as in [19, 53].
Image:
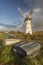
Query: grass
[8, 57]
[3, 36]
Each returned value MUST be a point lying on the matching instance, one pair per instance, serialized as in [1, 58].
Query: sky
[10, 16]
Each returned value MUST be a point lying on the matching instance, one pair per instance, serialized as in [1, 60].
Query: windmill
[27, 21]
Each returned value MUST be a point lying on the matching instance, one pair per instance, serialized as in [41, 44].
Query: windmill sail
[21, 12]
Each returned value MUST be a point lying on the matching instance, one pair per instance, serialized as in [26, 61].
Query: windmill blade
[21, 12]
[20, 24]
[19, 27]
[31, 12]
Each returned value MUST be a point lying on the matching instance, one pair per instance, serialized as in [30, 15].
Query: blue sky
[9, 14]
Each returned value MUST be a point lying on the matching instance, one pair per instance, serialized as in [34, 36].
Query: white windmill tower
[27, 21]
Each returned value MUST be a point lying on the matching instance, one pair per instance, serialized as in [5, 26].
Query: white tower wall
[28, 27]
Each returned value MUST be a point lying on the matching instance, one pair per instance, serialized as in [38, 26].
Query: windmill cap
[27, 18]
[31, 11]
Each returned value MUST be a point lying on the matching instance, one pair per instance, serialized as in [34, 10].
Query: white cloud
[4, 28]
[37, 19]
[36, 10]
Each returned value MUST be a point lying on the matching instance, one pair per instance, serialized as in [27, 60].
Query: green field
[8, 57]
